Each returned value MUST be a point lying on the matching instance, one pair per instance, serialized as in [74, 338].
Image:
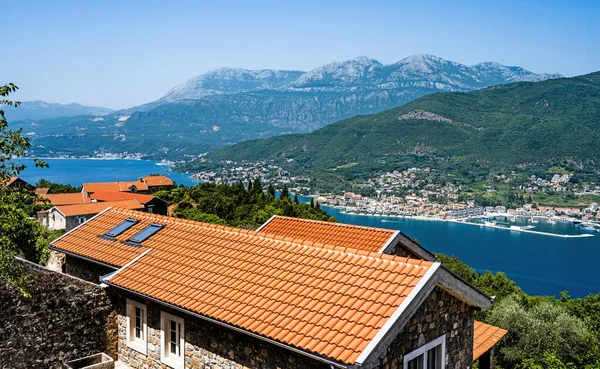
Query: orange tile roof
[67, 198]
[96, 207]
[485, 336]
[338, 234]
[119, 196]
[114, 186]
[41, 191]
[11, 180]
[157, 181]
[326, 300]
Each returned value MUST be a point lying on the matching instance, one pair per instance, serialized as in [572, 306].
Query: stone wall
[440, 313]
[207, 345]
[65, 318]
[401, 250]
[86, 270]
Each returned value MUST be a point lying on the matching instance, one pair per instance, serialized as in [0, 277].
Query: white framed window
[431, 355]
[137, 327]
[82, 220]
[172, 334]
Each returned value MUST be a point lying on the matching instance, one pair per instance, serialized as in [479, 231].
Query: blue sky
[123, 53]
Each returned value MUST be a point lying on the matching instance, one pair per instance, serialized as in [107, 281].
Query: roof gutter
[106, 279]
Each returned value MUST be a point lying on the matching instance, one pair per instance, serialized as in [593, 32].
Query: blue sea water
[78, 171]
[542, 265]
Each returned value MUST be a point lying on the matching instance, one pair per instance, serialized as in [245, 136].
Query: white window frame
[423, 350]
[174, 361]
[82, 220]
[138, 344]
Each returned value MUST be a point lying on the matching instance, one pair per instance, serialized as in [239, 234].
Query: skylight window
[146, 233]
[128, 223]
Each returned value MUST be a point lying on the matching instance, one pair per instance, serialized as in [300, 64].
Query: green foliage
[56, 187]
[236, 205]
[543, 332]
[504, 128]
[18, 234]
[542, 329]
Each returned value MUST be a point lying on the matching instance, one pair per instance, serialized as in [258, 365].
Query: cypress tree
[271, 190]
[296, 198]
[312, 203]
[317, 206]
[285, 193]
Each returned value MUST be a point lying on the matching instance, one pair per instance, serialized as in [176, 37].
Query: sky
[119, 54]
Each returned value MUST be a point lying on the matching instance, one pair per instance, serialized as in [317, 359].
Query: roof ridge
[336, 223]
[297, 242]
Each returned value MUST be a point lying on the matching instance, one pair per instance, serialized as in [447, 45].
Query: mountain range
[36, 110]
[229, 105]
[504, 127]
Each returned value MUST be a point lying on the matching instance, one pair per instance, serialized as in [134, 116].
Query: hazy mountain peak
[415, 71]
[38, 109]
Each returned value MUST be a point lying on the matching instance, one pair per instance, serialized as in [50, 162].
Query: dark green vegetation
[56, 187]
[235, 205]
[510, 127]
[19, 235]
[543, 332]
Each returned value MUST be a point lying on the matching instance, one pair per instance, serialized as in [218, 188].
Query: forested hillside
[509, 126]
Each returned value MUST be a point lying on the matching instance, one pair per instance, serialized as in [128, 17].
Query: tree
[18, 234]
[545, 329]
[285, 193]
[296, 201]
[271, 190]
[312, 203]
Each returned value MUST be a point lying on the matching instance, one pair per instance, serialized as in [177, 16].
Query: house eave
[333, 363]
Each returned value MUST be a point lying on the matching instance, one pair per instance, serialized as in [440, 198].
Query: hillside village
[414, 192]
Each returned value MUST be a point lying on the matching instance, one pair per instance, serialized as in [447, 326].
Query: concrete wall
[441, 313]
[65, 318]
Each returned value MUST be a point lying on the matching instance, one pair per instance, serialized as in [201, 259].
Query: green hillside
[509, 126]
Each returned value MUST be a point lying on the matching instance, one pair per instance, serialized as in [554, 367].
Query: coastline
[583, 235]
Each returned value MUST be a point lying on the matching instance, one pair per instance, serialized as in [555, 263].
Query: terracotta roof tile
[485, 336]
[119, 196]
[320, 232]
[67, 198]
[96, 207]
[299, 295]
[157, 181]
[114, 186]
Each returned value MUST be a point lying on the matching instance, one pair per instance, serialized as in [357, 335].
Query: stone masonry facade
[207, 345]
[85, 270]
[441, 313]
[64, 319]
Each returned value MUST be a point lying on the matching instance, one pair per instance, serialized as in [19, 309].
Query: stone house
[157, 183]
[151, 204]
[16, 182]
[144, 185]
[381, 240]
[68, 217]
[196, 295]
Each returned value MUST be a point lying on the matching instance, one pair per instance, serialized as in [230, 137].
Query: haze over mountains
[229, 105]
[554, 122]
[36, 110]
